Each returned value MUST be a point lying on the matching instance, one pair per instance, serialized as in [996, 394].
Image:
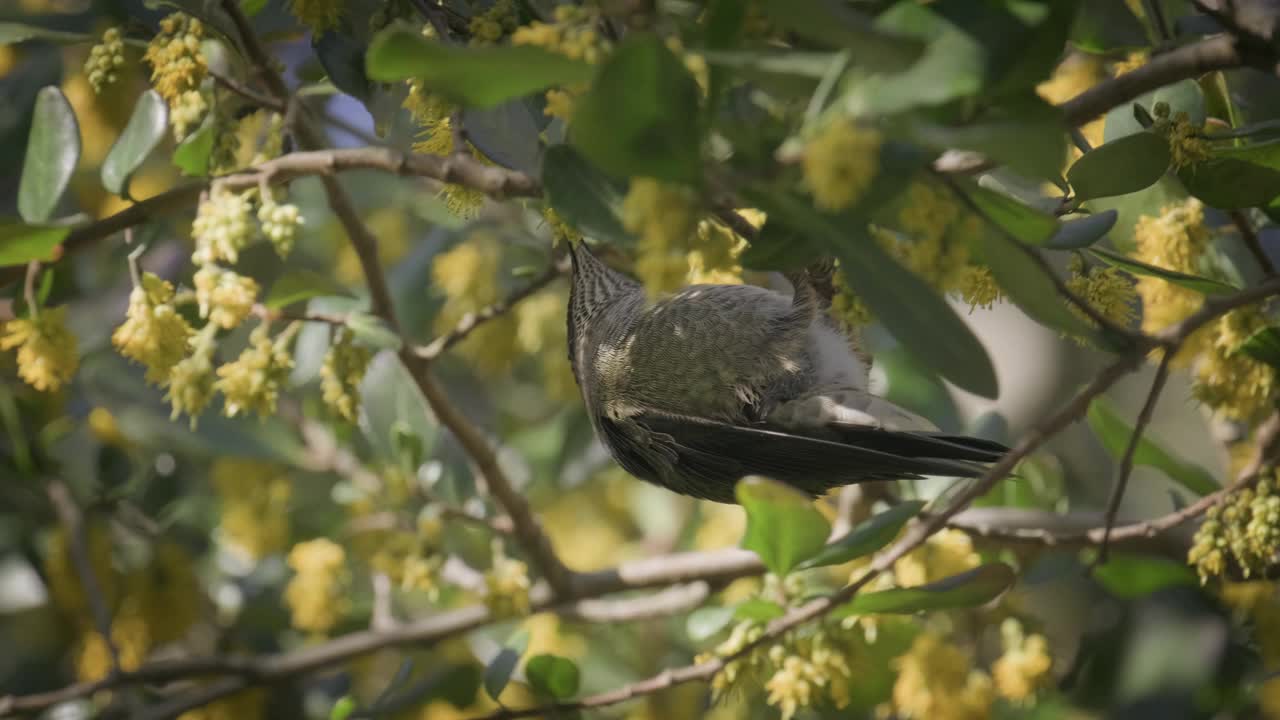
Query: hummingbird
[702, 387]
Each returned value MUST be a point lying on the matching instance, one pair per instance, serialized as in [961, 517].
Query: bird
[699, 388]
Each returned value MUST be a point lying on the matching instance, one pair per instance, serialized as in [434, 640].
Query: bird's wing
[723, 453]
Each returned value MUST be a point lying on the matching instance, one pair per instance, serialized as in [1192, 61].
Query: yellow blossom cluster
[1024, 667]
[936, 680]
[1174, 240]
[425, 108]
[839, 162]
[806, 667]
[319, 15]
[105, 60]
[225, 297]
[47, 350]
[847, 307]
[280, 223]
[1076, 73]
[506, 585]
[153, 333]
[713, 258]
[252, 381]
[317, 593]
[254, 497]
[946, 553]
[1186, 144]
[664, 216]
[1131, 62]
[749, 670]
[491, 25]
[340, 375]
[572, 34]
[223, 226]
[1243, 528]
[541, 332]
[410, 560]
[1107, 290]
[178, 67]
[1232, 383]
[468, 276]
[191, 380]
[439, 140]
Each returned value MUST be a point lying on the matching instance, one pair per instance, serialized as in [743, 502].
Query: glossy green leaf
[373, 332]
[1230, 183]
[53, 149]
[965, 590]
[705, 622]
[1025, 223]
[298, 285]
[20, 244]
[1082, 232]
[472, 76]
[1263, 346]
[909, 309]
[193, 154]
[343, 57]
[582, 195]
[870, 536]
[758, 610]
[1114, 433]
[1131, 576]
[141, 135]
[552, 675]
[1120, 167]
[498, 672]
[1203, 285]
[12, 33]
[783, 526]
[640, 117]
[788, 64]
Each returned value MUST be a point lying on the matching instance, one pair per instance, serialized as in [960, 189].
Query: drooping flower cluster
[251, 383]
[439, 140]
[410, 560]
[191, 381]
[223, 226]
[937, 680]
[47, 350]
[280, 223]
[839, 163]
[316, 595]
[493, 24]
[255, 495]
[153, 333]
[1173, 240]
[225, 297]
[1232, 383]
[178, 68]
[809, 667]
[506, 585]
[468, 276]
[340, 375]
[1243, 528]
[1024, 667]
[105, 60]
[1186, 144]
[1107, 290]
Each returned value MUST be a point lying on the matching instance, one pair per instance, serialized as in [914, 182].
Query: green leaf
[144, 131]
[472, 76]
[870, 536]
[1203, 285]
[1105, 25]
[1229, 183]
[582, 195]
[1029, 284]
[498, 673]
[1131, 576]
[20, 244]
[12, 33]
[1114, 433]
[909, 309]
[759, 610]
[1027, 134]
[193, 154]
[640, 117]
[707, 621]
[1263, 346]
[297, 285]
[836, 25]
[1022, 222]
[53, 149]
[953, 64]
[783, 526]
[1120, 167]
[911, 385]
[373, 332]
[553, 675]
[252, 7]
[343, 708]
[968, 589]
[1082, 232]
[778, 247]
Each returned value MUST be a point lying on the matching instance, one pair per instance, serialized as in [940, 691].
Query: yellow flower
[178, 67]
[225, 298]
[839, 163]
[1107, 290]
[409, 561]
[714, 257]
[489, 26]
[153, 333]
[254, 496]
[1174, 240]
[280, 223]
[316, 595]
[1075, 74]
[105, 60]
[1131, 62]
[222, 227]
[63, 578]
[809, 666]
[506, 585]
[846, 307]
[947, 553]
[47, 350]
[978, 287]
[1024, 666]
[746, 671]
[936, 681]
[1185, 143]
[664, 216]
[190, 382]
[467, 274]
[1230, 382]
[541, 332]
[252, 381]
[319, 15]
[340, 375]
[460, 199]
[132, 639]
[573, 34]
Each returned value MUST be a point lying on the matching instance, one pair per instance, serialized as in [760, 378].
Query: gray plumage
[716, 382]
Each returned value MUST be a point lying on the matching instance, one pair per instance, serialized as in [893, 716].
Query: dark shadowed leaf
[640, 116]
[12, 33]
[870, 536]
[1202, 285]
[1082, 232]
[1230, 183]
[778, 247]
[53, 149]
[1263, 346]
[1103, 25]
[552, 675]
[1026, 134]
[968, 589]
[141, 135]
[342, 57]
[707, 621]
[498, 672]
[471, 76]
[1029, 284]
[297, 285]
[783, 526]
[837, 25]
[507, 134]
[1120, 167]
[1114, 433]
[582, 195]
[1134, 576]
[20, 244]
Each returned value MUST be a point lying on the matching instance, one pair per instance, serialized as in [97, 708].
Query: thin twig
[1251, 241]
[248, 93]
[1126, 460]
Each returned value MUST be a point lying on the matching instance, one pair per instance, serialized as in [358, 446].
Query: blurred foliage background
[208, 415]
